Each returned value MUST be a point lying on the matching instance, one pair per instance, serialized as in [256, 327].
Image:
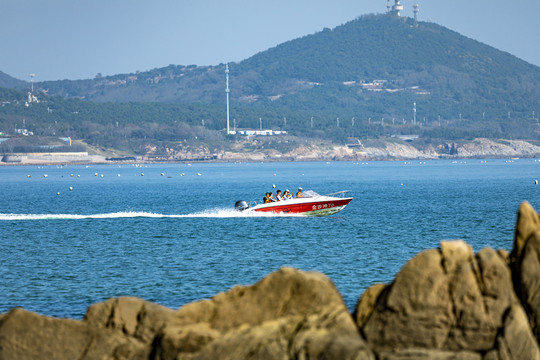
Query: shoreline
[384, 151]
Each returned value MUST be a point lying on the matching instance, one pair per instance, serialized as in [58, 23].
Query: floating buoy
[95, 174]
[198, 174]
[70, 188]
[182, 174]
[28, 175]
[71, 175]
[78, 175]
[101, 175]
[118, 174]
[401, 184]
[58, 193]
[45, 175]
[274, 186]
[162, 174]
[535, 182]
[142, 174]
[274, 174]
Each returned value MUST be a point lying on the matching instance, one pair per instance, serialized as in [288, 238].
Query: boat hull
[322, 206]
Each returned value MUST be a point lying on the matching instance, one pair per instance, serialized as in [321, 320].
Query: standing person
[299, 193]
[279, 197]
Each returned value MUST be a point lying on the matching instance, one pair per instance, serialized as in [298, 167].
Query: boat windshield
[310, 193]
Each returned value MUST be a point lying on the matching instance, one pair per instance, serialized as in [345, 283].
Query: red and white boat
[310, 204]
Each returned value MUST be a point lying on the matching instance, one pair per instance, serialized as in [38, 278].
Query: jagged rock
[528, 222]
[25, 335]
[132, 316]
[443, 300]
[525, 260]
[517, 340]
[428, 354]
[364, 307]
[286, 314]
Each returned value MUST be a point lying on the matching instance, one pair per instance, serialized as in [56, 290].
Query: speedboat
[311, 204]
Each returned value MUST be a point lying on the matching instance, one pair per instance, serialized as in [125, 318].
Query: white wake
[213, 213]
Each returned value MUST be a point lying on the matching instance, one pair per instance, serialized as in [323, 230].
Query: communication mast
[414, 113]
[415, 11]
[397, 8]
[32, 81]
[227, 91]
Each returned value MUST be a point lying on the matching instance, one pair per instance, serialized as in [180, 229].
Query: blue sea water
[174, 239]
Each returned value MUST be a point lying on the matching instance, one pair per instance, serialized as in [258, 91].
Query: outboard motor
[241, 205]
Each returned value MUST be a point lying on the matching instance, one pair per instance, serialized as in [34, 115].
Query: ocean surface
[148, 231]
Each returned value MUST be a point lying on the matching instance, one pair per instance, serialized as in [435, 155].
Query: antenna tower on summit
[227, 91]
[32, 81]
[397, 8]
[415, 11]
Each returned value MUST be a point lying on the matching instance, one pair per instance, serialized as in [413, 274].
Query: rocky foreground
[445, 303]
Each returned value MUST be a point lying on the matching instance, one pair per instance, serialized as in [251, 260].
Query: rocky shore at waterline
[257, 150]
[445, 303]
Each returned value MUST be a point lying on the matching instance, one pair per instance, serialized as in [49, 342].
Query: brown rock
[528, 277]
[528, 222]
[285, 292]
[364, 307]
[289, 313]
[25, 335]
[525, 262]
[428, 354]
[443, 300]
[416, 309]
[517, 340]
[132, 316]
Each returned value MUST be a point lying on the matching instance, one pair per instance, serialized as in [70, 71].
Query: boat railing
[342, 193]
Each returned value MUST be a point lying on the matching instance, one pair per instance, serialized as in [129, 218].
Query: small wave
[214, 213]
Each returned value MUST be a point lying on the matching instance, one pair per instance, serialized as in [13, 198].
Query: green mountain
[332, 72]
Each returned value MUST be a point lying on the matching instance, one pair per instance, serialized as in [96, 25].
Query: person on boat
[299, 193]
[271, 197]
[266, 198]
[287, 195]
[279, 197]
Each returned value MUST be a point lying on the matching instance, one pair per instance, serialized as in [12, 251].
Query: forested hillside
[332, 72]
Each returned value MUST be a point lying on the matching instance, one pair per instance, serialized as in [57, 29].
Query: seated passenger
[287, 195]
[271, 197]
[299, 193]
[266, 198]
[279, 197]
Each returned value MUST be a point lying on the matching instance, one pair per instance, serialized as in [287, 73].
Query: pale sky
[76, 39]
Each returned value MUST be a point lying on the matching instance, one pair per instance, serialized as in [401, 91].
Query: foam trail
[214, 213]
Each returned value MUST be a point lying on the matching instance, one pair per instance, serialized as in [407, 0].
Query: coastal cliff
[445, 303]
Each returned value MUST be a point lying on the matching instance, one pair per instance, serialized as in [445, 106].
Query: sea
[71, 236]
